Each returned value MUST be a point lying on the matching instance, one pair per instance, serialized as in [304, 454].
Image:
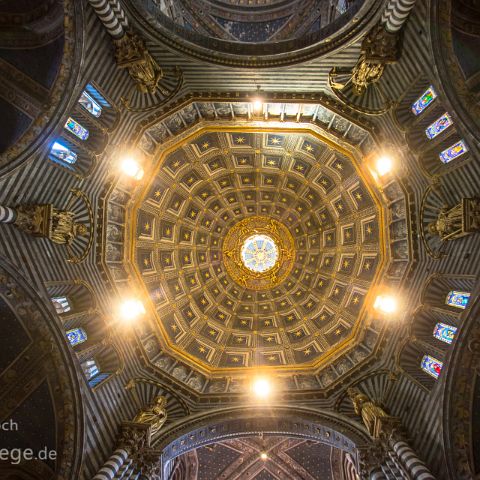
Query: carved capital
[380, 46]
[134, 438]
[370, 457]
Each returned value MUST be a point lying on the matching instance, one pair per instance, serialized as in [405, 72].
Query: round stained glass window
[259, 253]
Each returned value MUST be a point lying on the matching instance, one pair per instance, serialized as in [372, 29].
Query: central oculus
[259, 253]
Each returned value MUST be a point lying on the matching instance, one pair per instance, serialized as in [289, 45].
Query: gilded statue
[457, 221]
[63, 228]
[132, 54]
[59, 226]
[370, 412]
[154, 415]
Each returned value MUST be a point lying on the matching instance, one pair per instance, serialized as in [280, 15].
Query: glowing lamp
[264, 456]
[131, 309]
[131, 168]
[257, 104]
[261, 388]
[383, 165]
[385, 304]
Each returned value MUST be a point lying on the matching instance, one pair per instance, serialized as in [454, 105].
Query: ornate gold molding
[236, 238]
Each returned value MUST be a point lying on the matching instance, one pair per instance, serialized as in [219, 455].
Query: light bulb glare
[131, 168]
[264, 456]
[261, 388]
[384, 165]
[131, 309]
[257, 105]
[385, 304]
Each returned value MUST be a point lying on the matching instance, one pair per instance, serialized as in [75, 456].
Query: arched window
[89, 104]
[74, 127]
[424, 101]
[92, 373]
[90, 369]
[63, 154]
[445, 333]
[61, 304]
[458, 299]
[453, 152]
[438, 126]
[76, 336]
[432, 366]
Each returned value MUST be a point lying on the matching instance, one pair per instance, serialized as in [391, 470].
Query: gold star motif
[300, 168]
[346, 264]
[271, 162]
[355, 300]
[212, 332]
[338, 331]
[146, 262]
[369, 230]
[167, 260]
[358, 196]
[157, 194]
[147, 227]
[367, 266]
[269, 339]
[298, 333]
[235, 359]
[307, 352]
[202, 349]
[243, 322]
[240, 140]
[205, 145]
[275, 140]
[309, 148]
[174, 327]
[339, 166]
[272, 358]
[267, 323]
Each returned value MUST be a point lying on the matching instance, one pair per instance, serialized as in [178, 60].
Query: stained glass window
[445, 333]
[61, 304]
[424, 101]
[458, 299]
[76, 336]
[90, 368]
[93, 382]
[63, 154]
[432, 366]
[76, 129]
[453, 152]
[438, 126]
[89, 104]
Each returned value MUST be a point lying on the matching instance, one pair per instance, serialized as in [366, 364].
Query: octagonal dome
[216, 182]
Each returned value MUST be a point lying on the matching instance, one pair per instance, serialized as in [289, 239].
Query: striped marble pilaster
[112, 15]
[112, 465]
[7, 215]
[410, 461]
[396, 14]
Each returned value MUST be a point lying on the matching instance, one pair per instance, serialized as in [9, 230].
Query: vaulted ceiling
[222, 172]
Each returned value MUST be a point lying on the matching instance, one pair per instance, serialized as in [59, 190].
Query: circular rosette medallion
[258, 252]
